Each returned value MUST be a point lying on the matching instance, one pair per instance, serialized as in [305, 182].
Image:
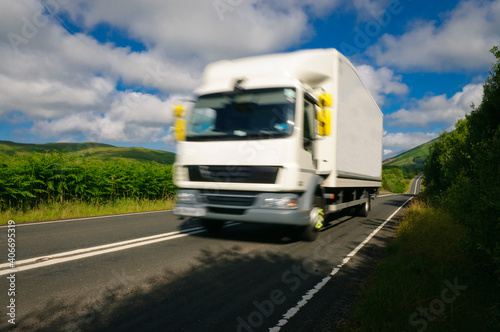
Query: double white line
[36, 262]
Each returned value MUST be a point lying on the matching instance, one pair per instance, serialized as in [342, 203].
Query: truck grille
[229, 200]
[238, 212]
[240, 174]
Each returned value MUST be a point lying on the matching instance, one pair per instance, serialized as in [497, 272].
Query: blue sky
[110, 70]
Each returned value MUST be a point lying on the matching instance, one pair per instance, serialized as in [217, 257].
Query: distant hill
[413, 159]
[91, 149]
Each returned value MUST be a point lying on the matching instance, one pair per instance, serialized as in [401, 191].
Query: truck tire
[316, 221]
[212, 225]
[362, 210]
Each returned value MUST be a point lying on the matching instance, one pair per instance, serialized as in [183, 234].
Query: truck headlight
[186, 198]
[280, 202]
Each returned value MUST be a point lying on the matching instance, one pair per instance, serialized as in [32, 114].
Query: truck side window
[308, 129]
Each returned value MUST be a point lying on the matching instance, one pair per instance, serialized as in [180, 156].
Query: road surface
[156, 272]
[416, 185]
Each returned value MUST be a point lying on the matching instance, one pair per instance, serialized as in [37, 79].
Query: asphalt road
[416, 185]
[156, 272]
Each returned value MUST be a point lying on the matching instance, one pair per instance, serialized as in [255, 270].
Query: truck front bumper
[251, 207]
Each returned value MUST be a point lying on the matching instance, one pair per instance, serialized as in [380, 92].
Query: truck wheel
[212, 225]
[362, 210]
[316, 221]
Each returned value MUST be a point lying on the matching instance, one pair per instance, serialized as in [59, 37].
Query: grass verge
[427, 282]
[78, 209]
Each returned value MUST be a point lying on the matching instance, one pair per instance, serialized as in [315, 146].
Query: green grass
[91, 149]
[78, 209]
[410, 289]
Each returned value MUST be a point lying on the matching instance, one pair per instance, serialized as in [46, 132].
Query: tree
[463, 172]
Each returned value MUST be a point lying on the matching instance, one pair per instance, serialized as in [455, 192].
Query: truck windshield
[248, 114]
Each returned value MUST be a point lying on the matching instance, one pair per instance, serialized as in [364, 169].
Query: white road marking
[83, 218]
[385, 195]
[310, 293]
[36, 262]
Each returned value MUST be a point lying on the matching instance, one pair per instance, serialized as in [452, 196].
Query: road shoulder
[323, 314]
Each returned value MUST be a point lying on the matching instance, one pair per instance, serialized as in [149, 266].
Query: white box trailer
[282, 139]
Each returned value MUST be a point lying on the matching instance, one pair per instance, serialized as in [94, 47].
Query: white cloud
[216, 29]
[47, 52]
[438, 109]
[205, 29]
[461, 42]
[399, 142]
[133, 117]
[382, 82]
[66, 82]
[367, 8]
[388, 152]
[51, 98]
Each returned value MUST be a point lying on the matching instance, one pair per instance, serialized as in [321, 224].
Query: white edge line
[310, 293]
[33, 223]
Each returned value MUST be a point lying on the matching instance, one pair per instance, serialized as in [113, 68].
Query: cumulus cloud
[205, 29]
[399, 142]
[382, 82]
[388, 152]
[210, 30]
[41, 99]
[461, 42]
[366, 8]
[438, 109]
[58, 76]
[133, 117]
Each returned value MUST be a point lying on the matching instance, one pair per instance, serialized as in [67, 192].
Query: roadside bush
[448, 159]
[32, 179]
[393, 180]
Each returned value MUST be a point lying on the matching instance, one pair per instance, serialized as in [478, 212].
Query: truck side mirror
[324, 119]
[324, 115]
[325, 100]
[180, 124]
[179, 111]
[180, 129]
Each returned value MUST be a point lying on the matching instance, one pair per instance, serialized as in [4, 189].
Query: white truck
[278, 139]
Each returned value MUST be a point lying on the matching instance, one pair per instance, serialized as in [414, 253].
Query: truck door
[308, 130]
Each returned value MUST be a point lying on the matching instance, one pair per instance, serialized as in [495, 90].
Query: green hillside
[413, 159]
[91, 149]
[397, 172]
